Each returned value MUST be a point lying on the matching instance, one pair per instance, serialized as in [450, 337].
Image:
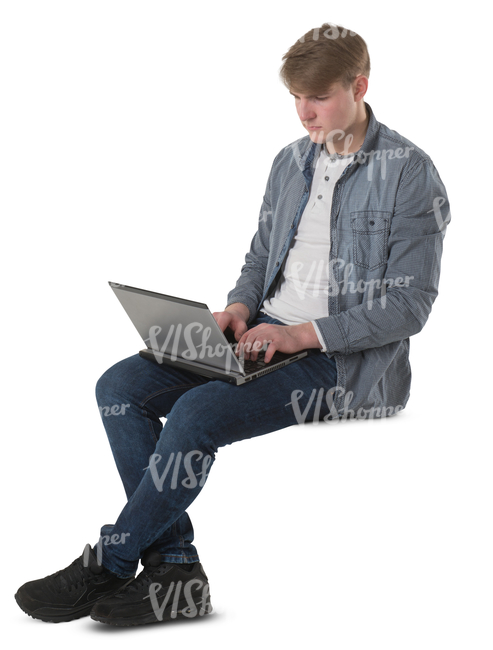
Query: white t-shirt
[302, 293]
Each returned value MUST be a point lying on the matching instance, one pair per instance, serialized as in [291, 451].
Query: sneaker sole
[168, 615]
[62, 618]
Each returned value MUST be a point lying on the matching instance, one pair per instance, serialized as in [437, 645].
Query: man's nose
[305, 110]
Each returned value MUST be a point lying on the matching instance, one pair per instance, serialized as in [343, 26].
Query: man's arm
[250, 285]
[421, 214]
[243, 300]
[240, 308]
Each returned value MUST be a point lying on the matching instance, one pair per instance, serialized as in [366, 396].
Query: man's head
[327, 72]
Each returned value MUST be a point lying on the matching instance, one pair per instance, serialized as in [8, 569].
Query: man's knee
[112, 386]
[104, 386]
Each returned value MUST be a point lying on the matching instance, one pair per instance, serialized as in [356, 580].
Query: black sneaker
[70, 593]
[161, 592]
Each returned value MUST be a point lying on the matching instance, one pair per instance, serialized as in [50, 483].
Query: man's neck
[352, 144]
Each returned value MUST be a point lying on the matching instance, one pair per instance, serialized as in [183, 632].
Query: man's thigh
[225, 413]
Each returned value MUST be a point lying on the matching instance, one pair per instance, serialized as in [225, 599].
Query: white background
[136, 140]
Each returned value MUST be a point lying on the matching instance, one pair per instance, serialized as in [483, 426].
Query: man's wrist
[307, 336]
[239, 308]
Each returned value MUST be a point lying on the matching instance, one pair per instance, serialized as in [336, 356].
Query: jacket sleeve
[250, 285]
[421, 214]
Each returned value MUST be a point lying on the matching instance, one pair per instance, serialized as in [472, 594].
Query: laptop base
[232, 378]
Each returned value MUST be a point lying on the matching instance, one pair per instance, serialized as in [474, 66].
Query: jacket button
[372, 223]
[277, 263]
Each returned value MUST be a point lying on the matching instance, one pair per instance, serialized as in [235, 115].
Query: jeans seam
[165, 390]
[149, 424]
[184, 557]
[155, 394]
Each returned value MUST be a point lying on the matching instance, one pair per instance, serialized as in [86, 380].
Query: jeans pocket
[370, 238]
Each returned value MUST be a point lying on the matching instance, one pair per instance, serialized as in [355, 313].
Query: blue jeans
[163, 469]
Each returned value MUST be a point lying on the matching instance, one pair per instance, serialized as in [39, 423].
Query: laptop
[184, 333]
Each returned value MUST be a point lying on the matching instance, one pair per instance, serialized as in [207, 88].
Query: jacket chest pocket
[370, 238]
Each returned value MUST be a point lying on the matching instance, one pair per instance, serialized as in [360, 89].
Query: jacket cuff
[319, 335]
[332, 335]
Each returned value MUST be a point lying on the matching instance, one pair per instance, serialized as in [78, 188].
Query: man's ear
[360, 86]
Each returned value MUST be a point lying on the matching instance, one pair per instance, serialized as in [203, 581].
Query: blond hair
[322, 57]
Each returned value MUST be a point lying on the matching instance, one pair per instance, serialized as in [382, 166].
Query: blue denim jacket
[388, 220]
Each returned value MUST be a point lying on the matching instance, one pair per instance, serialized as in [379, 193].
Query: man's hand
[285, 338]
[235, 317]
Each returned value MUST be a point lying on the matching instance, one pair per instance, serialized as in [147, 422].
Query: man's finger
[240, 329]
[222, 319]
[270, 352]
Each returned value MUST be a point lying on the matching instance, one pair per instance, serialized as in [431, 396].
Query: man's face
[336, 109]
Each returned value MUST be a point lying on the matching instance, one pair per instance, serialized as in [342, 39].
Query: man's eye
[321, 98]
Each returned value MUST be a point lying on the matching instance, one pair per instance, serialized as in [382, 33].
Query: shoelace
[71, 577]
[143, 580]
[74, 575]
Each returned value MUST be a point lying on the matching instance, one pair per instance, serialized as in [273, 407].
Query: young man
[345, 263]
